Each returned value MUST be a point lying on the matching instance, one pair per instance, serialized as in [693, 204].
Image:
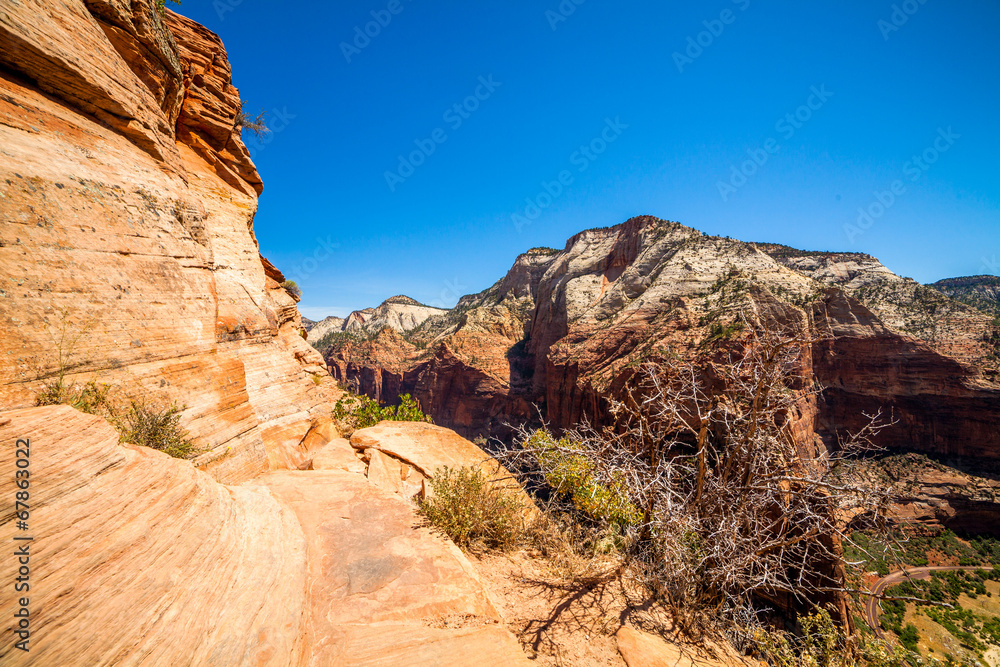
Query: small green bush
[292, 288]
[572, 475]
[92, 397]
[143, 423]
[138, 421]
[473, 511]
[354, 412]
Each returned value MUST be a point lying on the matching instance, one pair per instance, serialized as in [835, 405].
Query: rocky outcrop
[982, 292]
[951, 327]
[143, 559]
[127, 252]
[929, 494]
[563, 329]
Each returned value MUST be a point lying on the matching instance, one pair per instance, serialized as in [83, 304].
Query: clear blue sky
[930, 87]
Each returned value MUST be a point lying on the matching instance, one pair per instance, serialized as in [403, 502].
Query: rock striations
[143, 559]
[127, 252]
[563, 328]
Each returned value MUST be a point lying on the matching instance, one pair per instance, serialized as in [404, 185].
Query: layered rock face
[399, 313]
[127, 252]
[563, 329]
[138, 558]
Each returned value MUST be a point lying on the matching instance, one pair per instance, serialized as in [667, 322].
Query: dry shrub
[475, 512]
[718, 508]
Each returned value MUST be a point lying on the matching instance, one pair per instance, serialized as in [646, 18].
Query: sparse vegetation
[715, 505]
[138, 420]
[157, 427]
[473, 510]
[161, 5]
[352, 412]
[292, 288]
[256, 124]
[822, 644]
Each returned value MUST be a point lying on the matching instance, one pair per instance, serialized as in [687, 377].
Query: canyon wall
[563, 329]
[127, 251]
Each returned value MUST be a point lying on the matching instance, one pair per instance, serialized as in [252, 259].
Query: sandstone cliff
[140, 559]
[127, 251]
[563, 328]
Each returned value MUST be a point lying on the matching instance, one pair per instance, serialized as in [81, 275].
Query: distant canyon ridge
[563, 329]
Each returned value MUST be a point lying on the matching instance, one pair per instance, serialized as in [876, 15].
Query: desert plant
[732, 512]
[353, 412]
[256, 124]
[92, 397]
[822, 644]
[473, 510]
[161, 5]
[572, 474]
[292, 288]
[144, 423]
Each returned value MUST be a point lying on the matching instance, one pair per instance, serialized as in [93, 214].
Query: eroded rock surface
[127, 252]
[143, 559]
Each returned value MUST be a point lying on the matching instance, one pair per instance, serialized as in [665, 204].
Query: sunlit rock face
[139, 558]
[126, 244]
[565, 327]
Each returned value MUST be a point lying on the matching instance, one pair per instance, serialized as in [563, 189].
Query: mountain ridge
[560, 330]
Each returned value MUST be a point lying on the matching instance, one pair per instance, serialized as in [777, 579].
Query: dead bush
[719, 510]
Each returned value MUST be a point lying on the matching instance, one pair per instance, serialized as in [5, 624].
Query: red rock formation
[562, 329]
[127, 200]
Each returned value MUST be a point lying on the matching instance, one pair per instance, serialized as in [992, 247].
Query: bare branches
[722, 505]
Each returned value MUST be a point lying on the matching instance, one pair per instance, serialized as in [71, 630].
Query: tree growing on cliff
[722, 506]
[256, 124]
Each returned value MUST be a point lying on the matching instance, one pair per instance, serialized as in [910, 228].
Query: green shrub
[822, 644]
[573, 475]
[909, 637]
[354, 412]
[92, 398]
[142, 423]
[473, 511]
[292, 288]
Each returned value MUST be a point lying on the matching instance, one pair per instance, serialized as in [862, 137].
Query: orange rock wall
[127, 202]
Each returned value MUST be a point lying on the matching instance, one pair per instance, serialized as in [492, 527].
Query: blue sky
[760, 121]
